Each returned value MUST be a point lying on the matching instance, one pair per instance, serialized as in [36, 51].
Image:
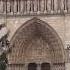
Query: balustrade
[34, 7]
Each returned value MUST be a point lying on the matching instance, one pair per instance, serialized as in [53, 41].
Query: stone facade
[34, 7]
[39, 32]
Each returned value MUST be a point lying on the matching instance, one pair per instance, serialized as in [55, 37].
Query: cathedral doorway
[32, 66]
[36, 46]
[45, 66]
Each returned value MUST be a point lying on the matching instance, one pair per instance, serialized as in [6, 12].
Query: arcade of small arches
[36, 46]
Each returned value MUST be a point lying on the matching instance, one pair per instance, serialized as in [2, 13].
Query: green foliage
[2, 66]
[3, 61]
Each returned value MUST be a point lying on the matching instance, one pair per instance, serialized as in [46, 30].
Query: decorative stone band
[34, 7]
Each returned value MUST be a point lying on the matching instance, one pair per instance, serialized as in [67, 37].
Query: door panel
[32, 66]
[45, 66]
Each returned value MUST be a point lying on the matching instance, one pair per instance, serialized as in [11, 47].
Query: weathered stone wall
[61, 24]
[15, 13]
[56, 22]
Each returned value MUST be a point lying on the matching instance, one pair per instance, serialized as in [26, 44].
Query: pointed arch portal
[36, 41]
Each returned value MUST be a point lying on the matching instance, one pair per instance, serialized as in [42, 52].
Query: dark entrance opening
[32, 66]
[45, 66]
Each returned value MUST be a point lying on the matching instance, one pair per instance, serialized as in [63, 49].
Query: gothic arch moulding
[36, 40]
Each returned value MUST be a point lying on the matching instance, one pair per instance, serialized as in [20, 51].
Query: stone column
[4, 6]
[31, 2]
[8, 6]
[55, 6]
[38, 6]
[42, 5]
[26, 66]
[39, 66]
[65, 6]
[62, 5]
[49, 6]
[52, 67]
[1, 6]
[25, 6]
[68, 4]
[15, 6]
[35, 6]
[52, 6]
[28, 6]
[11, 6]
[59, 6]
[18, 6]
[21, 7]
[45, 9]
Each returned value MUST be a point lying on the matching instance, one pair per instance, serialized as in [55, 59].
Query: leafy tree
[3, 61]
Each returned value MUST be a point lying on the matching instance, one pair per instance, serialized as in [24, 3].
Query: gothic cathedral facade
[38, 33]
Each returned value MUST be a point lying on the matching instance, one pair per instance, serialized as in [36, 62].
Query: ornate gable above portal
[35, 40]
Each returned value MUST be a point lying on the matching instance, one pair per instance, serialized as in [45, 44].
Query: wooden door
[45, 66]
[32, 66]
